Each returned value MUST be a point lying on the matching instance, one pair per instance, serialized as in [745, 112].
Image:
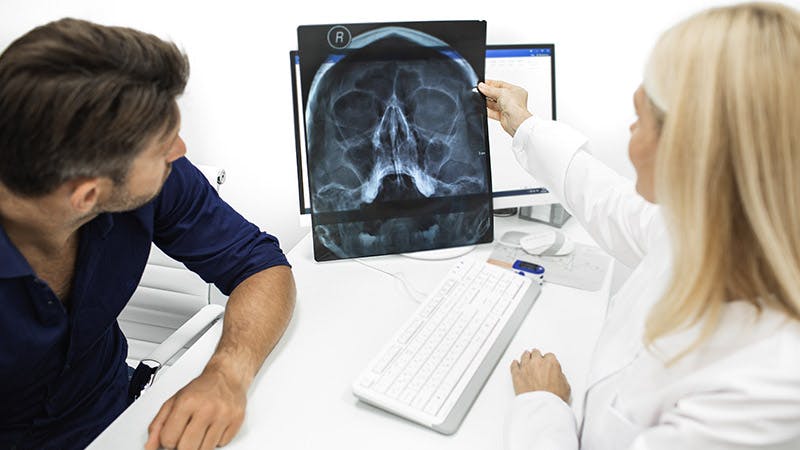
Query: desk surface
[345, 313]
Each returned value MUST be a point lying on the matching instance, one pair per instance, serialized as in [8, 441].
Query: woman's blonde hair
[725, 84]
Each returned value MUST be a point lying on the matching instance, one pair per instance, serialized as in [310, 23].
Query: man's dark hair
[79, 99]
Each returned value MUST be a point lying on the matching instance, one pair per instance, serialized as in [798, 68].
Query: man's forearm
[210, 409]
[256, 316]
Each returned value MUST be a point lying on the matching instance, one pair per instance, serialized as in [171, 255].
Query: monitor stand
[440, 254]
[505, 212]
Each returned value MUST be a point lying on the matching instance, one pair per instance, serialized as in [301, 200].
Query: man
[92, 171]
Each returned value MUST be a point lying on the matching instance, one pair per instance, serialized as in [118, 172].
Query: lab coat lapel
[623, 332]
[617, 348]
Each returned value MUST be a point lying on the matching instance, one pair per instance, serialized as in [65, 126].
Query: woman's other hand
[535, 372]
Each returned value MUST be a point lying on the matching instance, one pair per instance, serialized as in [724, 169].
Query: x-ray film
[396, 133]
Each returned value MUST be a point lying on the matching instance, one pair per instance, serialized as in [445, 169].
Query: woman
[705, 352]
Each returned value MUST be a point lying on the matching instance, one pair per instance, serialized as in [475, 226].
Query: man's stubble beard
[120, 200]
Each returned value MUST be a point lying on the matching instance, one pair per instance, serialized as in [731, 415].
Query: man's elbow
[280, 280]
[290, 297]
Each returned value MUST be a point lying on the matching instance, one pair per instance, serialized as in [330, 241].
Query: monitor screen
[396, 137]
[531, 66]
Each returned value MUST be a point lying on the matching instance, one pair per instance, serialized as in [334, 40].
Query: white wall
[237, 110]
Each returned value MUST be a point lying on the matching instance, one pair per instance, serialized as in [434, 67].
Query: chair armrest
[149, 367]
[192, 329]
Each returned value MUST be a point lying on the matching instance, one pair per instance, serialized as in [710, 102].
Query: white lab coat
[740, 389]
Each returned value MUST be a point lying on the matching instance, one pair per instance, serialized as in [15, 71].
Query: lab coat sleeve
[540, 420]
[604, 202]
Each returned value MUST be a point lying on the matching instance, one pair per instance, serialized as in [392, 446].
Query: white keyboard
[432, 370]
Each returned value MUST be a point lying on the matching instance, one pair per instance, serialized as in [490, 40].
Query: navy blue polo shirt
[63, 376]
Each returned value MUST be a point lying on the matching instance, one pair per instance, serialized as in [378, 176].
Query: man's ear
[85, 194]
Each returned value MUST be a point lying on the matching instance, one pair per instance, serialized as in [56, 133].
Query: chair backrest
[167, 296]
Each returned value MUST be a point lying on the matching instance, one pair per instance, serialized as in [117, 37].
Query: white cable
[416, 295]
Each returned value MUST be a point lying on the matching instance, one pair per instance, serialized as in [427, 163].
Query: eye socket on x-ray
[356, 112]
[433, 110]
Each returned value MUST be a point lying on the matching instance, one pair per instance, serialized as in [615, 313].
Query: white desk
[301, 398]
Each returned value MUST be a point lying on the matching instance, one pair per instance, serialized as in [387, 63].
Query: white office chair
[170, 309]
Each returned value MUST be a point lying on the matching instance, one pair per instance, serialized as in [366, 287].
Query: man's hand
[534, 372]
[205, 414]
[209, 411]
[506, 103]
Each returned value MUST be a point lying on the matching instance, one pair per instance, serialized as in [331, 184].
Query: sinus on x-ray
[396, 137]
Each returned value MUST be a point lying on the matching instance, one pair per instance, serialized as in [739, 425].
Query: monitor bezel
[293, 55]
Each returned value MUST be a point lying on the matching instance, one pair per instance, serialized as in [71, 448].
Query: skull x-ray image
[396, 137]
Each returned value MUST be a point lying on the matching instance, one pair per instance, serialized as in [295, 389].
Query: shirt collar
[14, 264]
[102, 224]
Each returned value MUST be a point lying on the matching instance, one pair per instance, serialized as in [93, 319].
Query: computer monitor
[531, 66]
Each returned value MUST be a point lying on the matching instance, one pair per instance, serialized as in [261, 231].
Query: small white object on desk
[540, 242]
[547, 243]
